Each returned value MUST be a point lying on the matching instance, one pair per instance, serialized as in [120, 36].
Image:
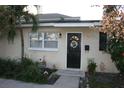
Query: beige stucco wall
[10, 49]
[89, 37]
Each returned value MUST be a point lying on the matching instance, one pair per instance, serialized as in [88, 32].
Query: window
[36, 40]
[50, 40]
[102, 41]
[44, 40]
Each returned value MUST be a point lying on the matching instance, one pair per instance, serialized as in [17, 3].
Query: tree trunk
[22, 44]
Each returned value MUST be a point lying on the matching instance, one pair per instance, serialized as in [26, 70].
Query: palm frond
[9, 15]
[30, 18]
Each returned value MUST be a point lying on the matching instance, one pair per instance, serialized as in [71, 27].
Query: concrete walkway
[68, 79]
[67, 82]
[8, 83]
[71, 73]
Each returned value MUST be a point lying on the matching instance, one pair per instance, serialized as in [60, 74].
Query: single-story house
[62, 41]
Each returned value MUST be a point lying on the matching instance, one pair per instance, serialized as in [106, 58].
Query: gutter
[67, 24]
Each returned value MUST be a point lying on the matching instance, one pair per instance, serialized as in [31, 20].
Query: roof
[56, 17]
[52, 16]
[60, 20]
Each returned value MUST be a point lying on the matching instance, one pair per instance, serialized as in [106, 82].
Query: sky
[75, 8]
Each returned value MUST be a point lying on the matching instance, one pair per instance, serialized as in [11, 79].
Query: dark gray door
[73, 50]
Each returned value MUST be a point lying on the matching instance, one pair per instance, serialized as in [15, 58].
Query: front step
[71, 73]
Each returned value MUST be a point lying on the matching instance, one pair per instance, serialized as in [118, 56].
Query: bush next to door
[91, 67]
[27, 70]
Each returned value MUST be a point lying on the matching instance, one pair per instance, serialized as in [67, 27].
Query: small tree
[11, 17]
[113, 25]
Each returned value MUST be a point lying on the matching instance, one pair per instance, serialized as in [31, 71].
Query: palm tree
[14, 16]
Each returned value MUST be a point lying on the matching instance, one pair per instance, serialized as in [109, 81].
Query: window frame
[45, 40]
[43, 48]
[35, 40]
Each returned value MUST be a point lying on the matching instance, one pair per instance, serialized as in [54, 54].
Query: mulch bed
[53, 79]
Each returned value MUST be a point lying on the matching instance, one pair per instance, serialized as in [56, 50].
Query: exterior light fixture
[60, 35]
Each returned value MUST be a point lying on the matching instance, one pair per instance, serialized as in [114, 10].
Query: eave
[67, 24]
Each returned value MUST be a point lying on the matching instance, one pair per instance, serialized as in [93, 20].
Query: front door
[73, 50]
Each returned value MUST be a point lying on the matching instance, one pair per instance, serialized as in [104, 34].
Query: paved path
[71, 73]
[7, 83]
[68, 79]
[67, 82]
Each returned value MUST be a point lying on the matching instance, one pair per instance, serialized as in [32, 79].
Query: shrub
[30, 72]
[27, 70]
[116, 49]
[27, 62]
[8, 67]
[91, 67]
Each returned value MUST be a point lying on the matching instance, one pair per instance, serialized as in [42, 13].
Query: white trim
[93, 24]
[41, 24]
[42, 40]
[43, 49]
[74, 69]
[75, 24]
[81, 51]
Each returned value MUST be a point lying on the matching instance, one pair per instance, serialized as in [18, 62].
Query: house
[63, 41]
